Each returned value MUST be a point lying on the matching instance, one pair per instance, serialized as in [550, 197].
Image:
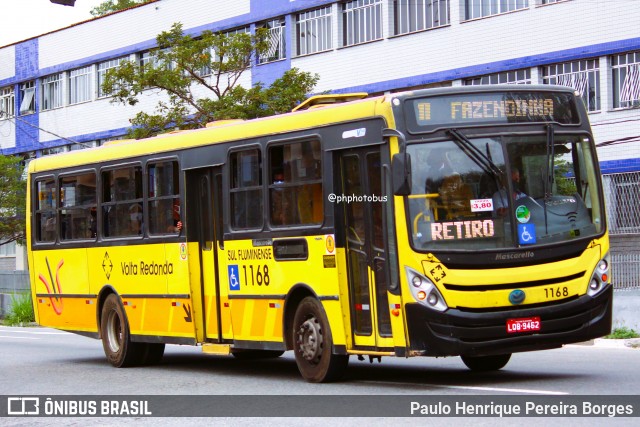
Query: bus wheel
[313, 344]
[114, 328]
[152, 353]
[486, 363]
[256, 354]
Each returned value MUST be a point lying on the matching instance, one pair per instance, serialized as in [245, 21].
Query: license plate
[527, 324]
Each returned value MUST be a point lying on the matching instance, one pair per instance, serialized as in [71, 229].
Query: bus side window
[122, 210]
[296, 189]
[163, 203]
[78, 206]
[245, 190]
[46, 205]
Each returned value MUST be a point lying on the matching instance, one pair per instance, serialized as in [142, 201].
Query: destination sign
[492, 108]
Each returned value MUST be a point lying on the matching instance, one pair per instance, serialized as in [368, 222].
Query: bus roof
[226, 131]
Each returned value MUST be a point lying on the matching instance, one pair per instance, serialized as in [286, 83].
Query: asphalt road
[41, 361]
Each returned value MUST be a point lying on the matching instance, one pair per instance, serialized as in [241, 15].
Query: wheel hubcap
[309, 340]
[114, 331]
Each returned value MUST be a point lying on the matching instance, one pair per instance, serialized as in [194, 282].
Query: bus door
[203, 186]
[365, 231]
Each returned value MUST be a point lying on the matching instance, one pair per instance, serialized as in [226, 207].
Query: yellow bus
[446, 222]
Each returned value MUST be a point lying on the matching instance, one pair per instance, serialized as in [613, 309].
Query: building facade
[51, 99]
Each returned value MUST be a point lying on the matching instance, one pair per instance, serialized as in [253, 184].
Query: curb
[633, 343]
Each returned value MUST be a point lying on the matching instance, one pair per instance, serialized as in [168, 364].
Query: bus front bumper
[456, 332]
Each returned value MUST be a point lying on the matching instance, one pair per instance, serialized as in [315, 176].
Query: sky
[23, 19]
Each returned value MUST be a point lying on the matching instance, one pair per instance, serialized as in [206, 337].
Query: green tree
[114, 5]
[12, 199]
[200, 77]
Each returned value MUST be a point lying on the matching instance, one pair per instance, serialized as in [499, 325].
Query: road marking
[18, 338]
[23, 331]
[475, 388]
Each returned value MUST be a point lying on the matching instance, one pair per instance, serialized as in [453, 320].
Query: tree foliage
[12, 199]
[113, 5]
[201, 80]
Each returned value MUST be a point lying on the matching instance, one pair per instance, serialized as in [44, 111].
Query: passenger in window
[176, 223]
[135, 219]
[278, 200]
[500, 198]
[439, 168]
[453, 194]
[93, 223]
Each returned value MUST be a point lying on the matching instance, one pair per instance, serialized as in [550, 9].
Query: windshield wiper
[475, 154]
[548, 175]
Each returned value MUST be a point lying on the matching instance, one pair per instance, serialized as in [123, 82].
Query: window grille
[362, 21]
[626, 80]
[314, 31]
[416, 15]
[506, 77]
[80, 85]
[583, 76]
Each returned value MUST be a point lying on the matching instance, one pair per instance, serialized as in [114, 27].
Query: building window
[122, 212]
[53, 150]
[295, 191]
[246, 189]
[551, 1]
[7, 102]
[480, 8]
[361, 21]
[80, 85]
[622, 193]
[146, 58]
[103, 67]
[78, 218]
[52, 92]
[314, 31]
[583, 76]
[27, 98]
[215, 55]
[506, 77]
[626, 80]
[8, 249]
[276, 39]
[164, 197]
[416, 15]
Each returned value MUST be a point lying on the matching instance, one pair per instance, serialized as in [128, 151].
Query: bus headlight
[600, 277]
[424, 291]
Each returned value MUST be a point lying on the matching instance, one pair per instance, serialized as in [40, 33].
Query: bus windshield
[503, 192]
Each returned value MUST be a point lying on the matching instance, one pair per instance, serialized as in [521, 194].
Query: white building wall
[137, 25]
[454, 52]
[533, 31]
[7, 133]
[7, 62]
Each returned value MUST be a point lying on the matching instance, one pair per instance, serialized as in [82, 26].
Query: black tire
[114, 329]
[313, 344]
[256, 354]
[152, 354]
[486, 363]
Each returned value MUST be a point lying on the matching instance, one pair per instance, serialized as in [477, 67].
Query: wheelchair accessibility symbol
[234, 277]
[526, 234]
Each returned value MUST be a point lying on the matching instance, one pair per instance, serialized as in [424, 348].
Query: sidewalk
[626, 309]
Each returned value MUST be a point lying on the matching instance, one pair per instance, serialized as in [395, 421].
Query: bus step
[219, 349]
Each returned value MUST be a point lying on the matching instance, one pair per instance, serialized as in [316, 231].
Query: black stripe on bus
[65, 296]
[280, 297]
[178, 296]
[479, 288]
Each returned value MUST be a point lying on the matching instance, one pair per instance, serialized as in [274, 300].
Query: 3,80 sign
[481, 205]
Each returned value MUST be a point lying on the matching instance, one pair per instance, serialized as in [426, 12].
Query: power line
[3, 114]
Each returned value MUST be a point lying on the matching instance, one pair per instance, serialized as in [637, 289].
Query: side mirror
[401, 174]
[400, 164]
